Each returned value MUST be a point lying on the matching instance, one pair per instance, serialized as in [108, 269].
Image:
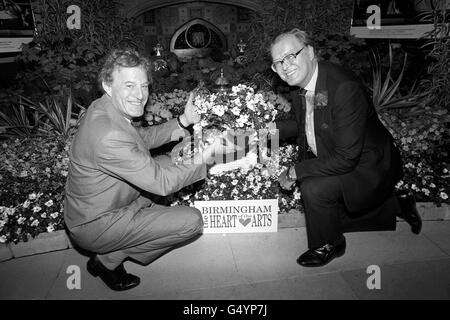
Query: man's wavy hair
[302, 36]
[123, 58]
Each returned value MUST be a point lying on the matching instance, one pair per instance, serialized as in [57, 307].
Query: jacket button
[324, 126]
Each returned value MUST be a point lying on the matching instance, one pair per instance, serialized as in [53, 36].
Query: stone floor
[255, 266]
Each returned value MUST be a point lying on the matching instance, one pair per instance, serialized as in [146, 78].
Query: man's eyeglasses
[290, 58]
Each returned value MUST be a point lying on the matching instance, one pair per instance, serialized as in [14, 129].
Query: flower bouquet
[242, 115]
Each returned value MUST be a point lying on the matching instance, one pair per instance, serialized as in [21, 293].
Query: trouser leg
[145, 235]
[322, 197]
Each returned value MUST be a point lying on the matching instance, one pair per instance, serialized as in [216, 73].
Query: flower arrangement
[241, 109]
[259, 182]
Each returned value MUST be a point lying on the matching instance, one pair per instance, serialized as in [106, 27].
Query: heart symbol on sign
[245, 222]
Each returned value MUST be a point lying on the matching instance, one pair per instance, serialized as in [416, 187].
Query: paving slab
[412, 280]
[325, 286]
[205, 263]
[438, 233]
[387, 247]
[89, 287]
[268, 256]
[30, 277]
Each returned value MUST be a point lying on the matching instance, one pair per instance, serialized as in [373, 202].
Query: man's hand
[190, 116]
[285, 182]
[221, 145]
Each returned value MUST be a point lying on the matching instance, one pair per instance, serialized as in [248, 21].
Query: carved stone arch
[197, 38]
[133, 8]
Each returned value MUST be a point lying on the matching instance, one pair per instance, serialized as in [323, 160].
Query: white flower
[32, 196]
[49, 203]
[36, 209]
[443, 195]
[50, 228]
[234, 182]
[3, 238]
[54, 215]
[35, 223]
[218, 110]
[235, 110]
[21, 220]
[242, 120]
[432, 185]
[44, 215]
[10, 211]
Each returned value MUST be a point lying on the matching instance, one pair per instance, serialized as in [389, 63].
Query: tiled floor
[255, 266]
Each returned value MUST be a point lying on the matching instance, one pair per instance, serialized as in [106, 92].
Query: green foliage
[318, 18]
[422, 136]
[32, 180]
[17, 122]
[385, 91]
[438, 45]
[49, 118]
[60, 59]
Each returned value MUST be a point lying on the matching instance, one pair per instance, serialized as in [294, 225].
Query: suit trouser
[142, 236]
[327, 218]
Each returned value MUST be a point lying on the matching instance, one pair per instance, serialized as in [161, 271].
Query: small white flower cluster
[258, 182]
[242, 108]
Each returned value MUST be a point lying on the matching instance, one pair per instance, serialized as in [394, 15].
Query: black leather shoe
[117, 279]
[409, 211]
[321, 256]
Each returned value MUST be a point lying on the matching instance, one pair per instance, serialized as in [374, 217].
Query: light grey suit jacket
[110, 165]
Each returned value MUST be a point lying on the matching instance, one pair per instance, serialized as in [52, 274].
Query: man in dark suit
[348, 183]
[111, 170]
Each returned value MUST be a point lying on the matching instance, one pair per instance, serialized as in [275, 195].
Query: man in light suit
[348, 183]
[111, 169]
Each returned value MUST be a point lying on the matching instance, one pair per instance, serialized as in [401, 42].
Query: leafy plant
[318, 18]
[48, 118]
[18, 122]
[69, 59]
[56, 118]
[385, 89]
[438, 46]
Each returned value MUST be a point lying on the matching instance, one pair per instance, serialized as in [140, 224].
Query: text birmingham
[236, 209]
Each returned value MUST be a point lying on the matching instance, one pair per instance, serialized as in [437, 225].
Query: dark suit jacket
[351, 141]
[110, 165]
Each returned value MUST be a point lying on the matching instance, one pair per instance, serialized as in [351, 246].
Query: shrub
[60, 60]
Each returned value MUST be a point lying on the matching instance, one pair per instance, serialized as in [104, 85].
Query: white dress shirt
[309, 117]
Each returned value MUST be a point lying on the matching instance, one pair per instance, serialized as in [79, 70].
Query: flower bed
[32, 181]
[33, 171]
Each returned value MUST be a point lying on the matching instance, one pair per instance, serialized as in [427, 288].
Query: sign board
[392, 19]
[16, 25]
[239, 216]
